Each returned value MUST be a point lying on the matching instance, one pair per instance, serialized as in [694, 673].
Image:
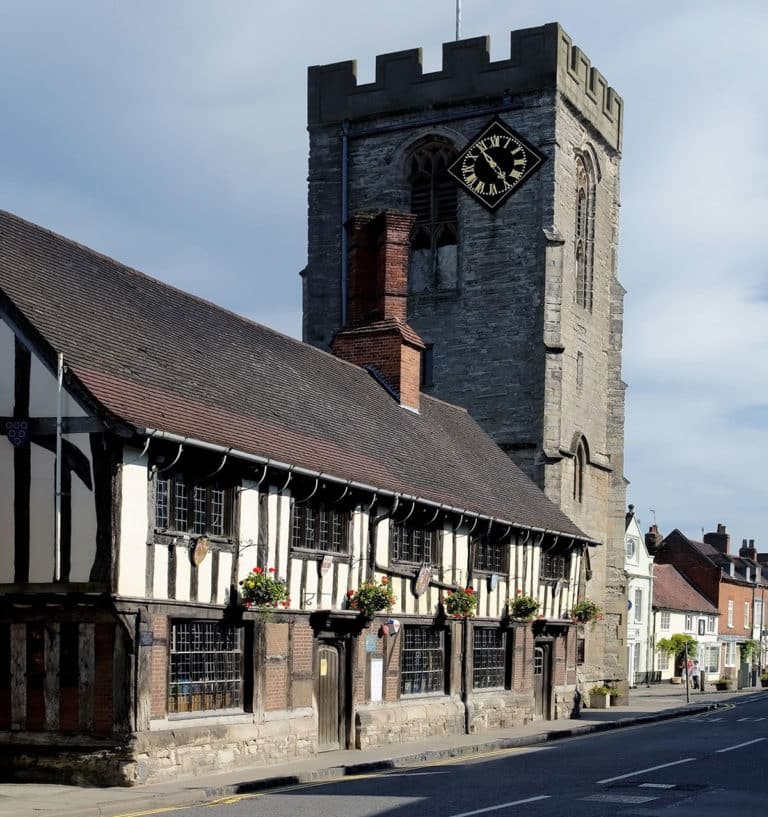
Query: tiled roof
[671, 591]
[724, 561]
[160, 358]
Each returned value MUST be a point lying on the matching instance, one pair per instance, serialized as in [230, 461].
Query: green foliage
[263, 590]
[460, 603]
[601, 690]
[748, 650]
[371, 597]
[523, 607]
[675, 645]
[585, 611]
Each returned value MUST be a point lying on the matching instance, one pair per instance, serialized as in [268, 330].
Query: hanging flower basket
[522, 607]
[460, 603]
[264, 591]
[371, 597]
[585, 611]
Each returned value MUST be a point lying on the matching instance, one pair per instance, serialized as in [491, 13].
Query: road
[711, 765]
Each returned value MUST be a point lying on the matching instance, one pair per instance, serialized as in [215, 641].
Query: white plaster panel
[83, 517]
[6, 509]
[42, 515]
[225, 578]
[462, 554]
[183, 572]
[343, 583]
[7, 379]
[382, 540]
[535, 562]
[204, 578]
[294, 586]
[311, 600]
[134, 521]
[160, 574]
[248, 521]
[272, 505]
[360, 521]
[284, 510]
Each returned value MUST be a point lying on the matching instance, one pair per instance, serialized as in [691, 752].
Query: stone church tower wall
[540, 371]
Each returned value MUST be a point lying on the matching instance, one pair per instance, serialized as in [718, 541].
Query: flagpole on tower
[458, 19]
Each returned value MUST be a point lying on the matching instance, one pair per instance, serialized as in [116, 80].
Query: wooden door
[328, 698]
[541, 680]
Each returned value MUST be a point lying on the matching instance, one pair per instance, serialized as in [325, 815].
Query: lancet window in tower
[584, 236]
[435, 234]
[579, 466]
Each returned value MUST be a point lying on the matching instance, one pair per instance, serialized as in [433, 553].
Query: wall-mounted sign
[371, 643]
[325, 565]
[202, 546]
[17, 432]
[493, 581]
[377, 679]
[422, 580]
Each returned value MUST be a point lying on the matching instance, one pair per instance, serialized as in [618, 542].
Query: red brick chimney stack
[719, 540]
[377, 334]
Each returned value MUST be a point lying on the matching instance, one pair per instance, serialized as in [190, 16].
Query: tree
[676, 645]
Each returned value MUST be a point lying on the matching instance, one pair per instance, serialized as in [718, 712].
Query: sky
[171, 135]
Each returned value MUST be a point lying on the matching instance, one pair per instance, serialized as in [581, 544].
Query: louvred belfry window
[435, 234]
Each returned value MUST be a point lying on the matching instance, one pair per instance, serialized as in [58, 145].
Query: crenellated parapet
[540, 58]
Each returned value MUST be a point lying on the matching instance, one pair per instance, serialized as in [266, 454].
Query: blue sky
[171, 135]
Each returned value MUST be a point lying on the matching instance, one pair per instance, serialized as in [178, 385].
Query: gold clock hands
[494, 167]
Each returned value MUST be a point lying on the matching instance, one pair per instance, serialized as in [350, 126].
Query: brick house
[734, 584]
[679, 608]
[157, 448]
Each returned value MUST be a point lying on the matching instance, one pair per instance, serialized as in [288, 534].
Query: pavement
[646, 705]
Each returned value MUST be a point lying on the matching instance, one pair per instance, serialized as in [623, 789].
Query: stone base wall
[565, 703]
[500, 709]
[406, 721]
[162, 756]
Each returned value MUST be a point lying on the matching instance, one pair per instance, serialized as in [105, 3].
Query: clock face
[495, 164]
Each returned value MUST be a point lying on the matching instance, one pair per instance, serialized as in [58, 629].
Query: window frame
[555, 567]
[584, 234]
[336, 520]
[489, 557]
[431, 680]
[494, 664]
[638, 605]
[730, 614]
[403, 549]
[665, 620]
[232, 685]
[747, 614]
[689, 628]
[168, 490]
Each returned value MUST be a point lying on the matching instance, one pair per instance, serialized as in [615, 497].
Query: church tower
[511, 169]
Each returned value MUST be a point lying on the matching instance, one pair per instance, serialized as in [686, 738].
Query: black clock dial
[495, 164]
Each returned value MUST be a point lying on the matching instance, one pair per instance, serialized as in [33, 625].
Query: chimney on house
[748, 551]
[653, 540]
[377, 335]
[719, 540]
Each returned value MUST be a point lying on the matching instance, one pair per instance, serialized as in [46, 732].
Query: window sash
[423, 667]
[554, 566]
[318, 527]
[413, 545]
[197, 509]
[730, 612]
[490, 557]
[488, 659]
[638, 605]
[664, 625]
[746, 615]
[205, 667]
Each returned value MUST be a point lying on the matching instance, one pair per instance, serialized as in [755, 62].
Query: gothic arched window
[433, 202]
[584, 234]
[579, 468]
